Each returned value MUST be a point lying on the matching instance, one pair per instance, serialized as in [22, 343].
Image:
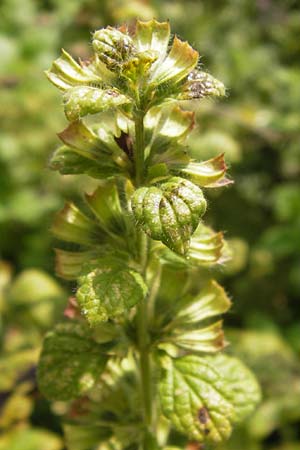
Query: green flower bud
[113, 47]
[169, 213]
[201, 84]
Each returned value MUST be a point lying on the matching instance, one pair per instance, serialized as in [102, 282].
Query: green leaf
[30, 439]
[70, 362]
[80, 101]
[193, 399]
[204, 397]
[16, 406]
[109, 290]
[13, 365]
[34, 286]
[84, 437]
[169, 213]
[66, 73]
[209, 173]
[241, 385]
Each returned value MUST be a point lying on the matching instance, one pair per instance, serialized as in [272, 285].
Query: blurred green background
[253, 46]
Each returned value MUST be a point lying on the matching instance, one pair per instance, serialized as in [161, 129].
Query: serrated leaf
[210, 173]
[70, 362]
[66, 73]
[192, 398]
[204, 397]
[170, 212]
[109, 290]
[241, 385]
[83, 100]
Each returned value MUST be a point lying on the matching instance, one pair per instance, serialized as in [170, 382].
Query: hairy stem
[142, 311]
[139, 148]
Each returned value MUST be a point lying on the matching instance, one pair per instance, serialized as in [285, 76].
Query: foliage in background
[253, 46]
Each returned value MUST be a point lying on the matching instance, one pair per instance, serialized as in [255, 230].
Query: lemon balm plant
[138, 364]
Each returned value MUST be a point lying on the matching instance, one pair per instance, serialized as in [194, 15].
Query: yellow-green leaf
[82, 100]
[204, 397]
[70, 362]
[108, 290]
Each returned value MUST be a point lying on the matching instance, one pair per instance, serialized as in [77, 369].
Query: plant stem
[139, 148]
[145, 363]
[142, 310]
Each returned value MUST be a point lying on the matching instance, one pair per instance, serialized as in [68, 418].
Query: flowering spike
[137, 249]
